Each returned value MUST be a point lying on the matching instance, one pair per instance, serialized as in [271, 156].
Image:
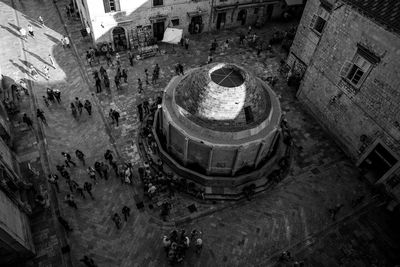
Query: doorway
[221, 20]
[119, 37]
[377, 163]
[242, 16]
[158, 30]
[196, 25]
[270, 10]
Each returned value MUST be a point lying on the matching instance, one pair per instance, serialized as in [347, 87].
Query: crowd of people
[176, 244]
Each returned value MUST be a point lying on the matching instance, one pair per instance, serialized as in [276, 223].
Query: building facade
[348, 53]
[121, 22]
[16, 242]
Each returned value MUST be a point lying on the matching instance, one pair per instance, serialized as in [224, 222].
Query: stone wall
[347, 112]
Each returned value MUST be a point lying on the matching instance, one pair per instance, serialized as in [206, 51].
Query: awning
[294, 2]
[172, 36]
[196, 13]
[158, 18]
[222, 8]
[257, 4]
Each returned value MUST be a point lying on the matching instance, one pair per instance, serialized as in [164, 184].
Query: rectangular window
[175, 22]
[111, 6]
[356, 71]
[158, 2]
[319, 20]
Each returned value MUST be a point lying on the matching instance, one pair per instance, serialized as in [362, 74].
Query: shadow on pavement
[16, 34]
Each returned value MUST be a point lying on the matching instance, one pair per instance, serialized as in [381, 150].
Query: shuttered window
[356, 71]
[111, 6]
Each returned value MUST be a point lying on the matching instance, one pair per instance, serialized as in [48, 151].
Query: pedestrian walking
[199, 245]
[180, 68]
[116, 116]
[53, 179]
[69, 199]
[117, 82]
[108, 156]
[98, 85]
[125, 75]
[126, 212]
[65, 224]
[78, 105]
[92, 174]
[226, 44]
[109, 59]
[140, 86]
[27, 120]
[30, 31]
[68, 11]
[50, 94]
[79, 190]
[79, 154]
[33, 72]
[22, 32]
[146, 107]
[40, 19]
[88, 188]
[157, 69]
[130, 56]
[89, 262]
[89, 58]
[46, 72]
[62, 40]
[111, 115]
[117, 220]
[57, 95]
[67, 159]
[209, 59]
[97, 167]
[52, 61]
[67, 42]
[40, 115]
[107, 83]
[46, 102]
[147, 76]
[88, 107]
[103, 72]
[74, 111]
[104, 170]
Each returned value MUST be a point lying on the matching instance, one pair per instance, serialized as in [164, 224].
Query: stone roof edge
[369, 16]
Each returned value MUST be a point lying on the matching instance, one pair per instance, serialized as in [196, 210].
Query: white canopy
[172, 35]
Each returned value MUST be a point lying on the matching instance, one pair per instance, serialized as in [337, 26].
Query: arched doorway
[119, 39]
[242, 16]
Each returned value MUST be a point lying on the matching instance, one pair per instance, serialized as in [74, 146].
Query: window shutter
[345, 69]
[313, 20]
[117, 5]
[106, 6]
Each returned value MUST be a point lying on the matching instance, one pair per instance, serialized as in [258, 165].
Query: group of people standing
[176, 245]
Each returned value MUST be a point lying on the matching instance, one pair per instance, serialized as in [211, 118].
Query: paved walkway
[247, 234]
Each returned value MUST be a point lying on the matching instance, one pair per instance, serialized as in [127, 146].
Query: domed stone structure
[219, 127]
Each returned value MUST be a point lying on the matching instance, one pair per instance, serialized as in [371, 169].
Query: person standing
[102, 71]
[117, 220]
[98, 85]
[104, 170]
[89, 262]
[53, 179]
[40, 115]
[69, 199]
[88, 107]
[125, 75]
[74, 111]
[187, 43]
[68, 159]
[33, 72]
[97, 167]
[147, 76]
[116, 116]
[40, 19]
[27, 120]
[57, 95]
[52, 61]
[140, 86]
[180, 67]
[22, 32]
[130, 56]
[92, 174]
[117, 82]
[108, 156]
[30, 31]
[126, 212]
[106, 83]
[117, 58]
[140, 111]
[79, 105]
[79, 154]
[111, 115]
[67, 42]
[88, 188]
[46, 72]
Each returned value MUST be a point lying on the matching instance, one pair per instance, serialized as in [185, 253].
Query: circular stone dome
[222, 97]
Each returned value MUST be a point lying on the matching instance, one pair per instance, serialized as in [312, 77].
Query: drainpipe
[211, 15]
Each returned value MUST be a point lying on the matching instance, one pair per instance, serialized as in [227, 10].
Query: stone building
[219, 127]
[121, 22]
[15, 235]
[348, 53]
